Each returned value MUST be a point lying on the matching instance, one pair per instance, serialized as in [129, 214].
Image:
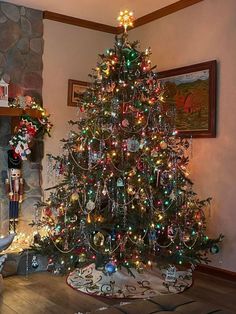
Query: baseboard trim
[218, 272]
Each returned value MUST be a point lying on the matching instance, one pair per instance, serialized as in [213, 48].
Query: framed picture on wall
[75, 91]
[192, 90]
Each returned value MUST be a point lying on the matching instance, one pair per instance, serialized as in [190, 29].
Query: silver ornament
[34, 262]
[120, 182]
[132, 145]
[90, 205]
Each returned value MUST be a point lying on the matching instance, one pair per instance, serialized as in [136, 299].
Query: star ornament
[126, 19]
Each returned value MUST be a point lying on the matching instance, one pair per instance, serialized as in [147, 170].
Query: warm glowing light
[126, 19]
[88, 219]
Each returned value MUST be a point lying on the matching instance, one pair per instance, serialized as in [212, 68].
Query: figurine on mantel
[14, 188]
[3, 93]
[23, 102]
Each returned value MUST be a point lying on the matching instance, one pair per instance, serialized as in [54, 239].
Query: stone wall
[21, 48]
[5, 134]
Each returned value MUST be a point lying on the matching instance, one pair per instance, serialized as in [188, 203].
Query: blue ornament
[110, 268]
[113, 235]
[152, 236]
[215, 249]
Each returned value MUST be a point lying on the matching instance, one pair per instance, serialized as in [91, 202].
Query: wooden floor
[46, 293]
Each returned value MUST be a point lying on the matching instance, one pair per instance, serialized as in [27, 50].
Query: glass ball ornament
[90, 205]
[110, 268]
[131, 190]
[133, 55]
[82, 258]
[98, 239]
[34, 262]
[163, 145]
[132, 145]
[125, 123]
[215, 249]
[74, 197]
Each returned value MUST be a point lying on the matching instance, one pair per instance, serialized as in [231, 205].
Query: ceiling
[102, 11]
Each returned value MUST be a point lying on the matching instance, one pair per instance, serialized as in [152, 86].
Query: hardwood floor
[46, 293]
[207, 288]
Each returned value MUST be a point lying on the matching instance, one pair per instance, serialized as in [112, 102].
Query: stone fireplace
[21, 49]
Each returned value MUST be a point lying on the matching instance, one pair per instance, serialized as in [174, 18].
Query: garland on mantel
[29, 126]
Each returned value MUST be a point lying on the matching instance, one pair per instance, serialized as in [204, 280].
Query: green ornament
[126, 51]
[133, 55]
[151, 179]
[215, 249]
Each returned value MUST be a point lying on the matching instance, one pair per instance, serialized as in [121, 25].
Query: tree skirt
[121, 284]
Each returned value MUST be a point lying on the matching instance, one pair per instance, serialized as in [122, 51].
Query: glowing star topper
[126, 19]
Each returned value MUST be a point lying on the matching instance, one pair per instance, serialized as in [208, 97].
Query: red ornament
[47, 212]
[125, 123]
[198, 216]
[140, 165]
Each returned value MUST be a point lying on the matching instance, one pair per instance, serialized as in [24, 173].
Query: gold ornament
[88, 218]
[131, 190]
[82, 257]
[74, 197]
[98, 239]
[163, 145]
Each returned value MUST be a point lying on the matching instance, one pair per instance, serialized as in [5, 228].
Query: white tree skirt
[149, 283]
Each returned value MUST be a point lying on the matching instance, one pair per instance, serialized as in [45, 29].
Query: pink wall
[203, 32]
[70, 52]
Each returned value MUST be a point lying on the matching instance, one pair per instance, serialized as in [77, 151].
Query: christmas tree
[125, 198]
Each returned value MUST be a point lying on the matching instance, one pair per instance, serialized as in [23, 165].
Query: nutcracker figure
[14, 188]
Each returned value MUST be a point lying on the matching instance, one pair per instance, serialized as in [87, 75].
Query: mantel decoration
[124, 202]
[3, 93]
[33, 122]
[29, 126]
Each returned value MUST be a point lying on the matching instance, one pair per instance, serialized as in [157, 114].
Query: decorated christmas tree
[124, 198]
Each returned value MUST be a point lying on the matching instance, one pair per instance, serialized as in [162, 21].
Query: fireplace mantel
[16, 112]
